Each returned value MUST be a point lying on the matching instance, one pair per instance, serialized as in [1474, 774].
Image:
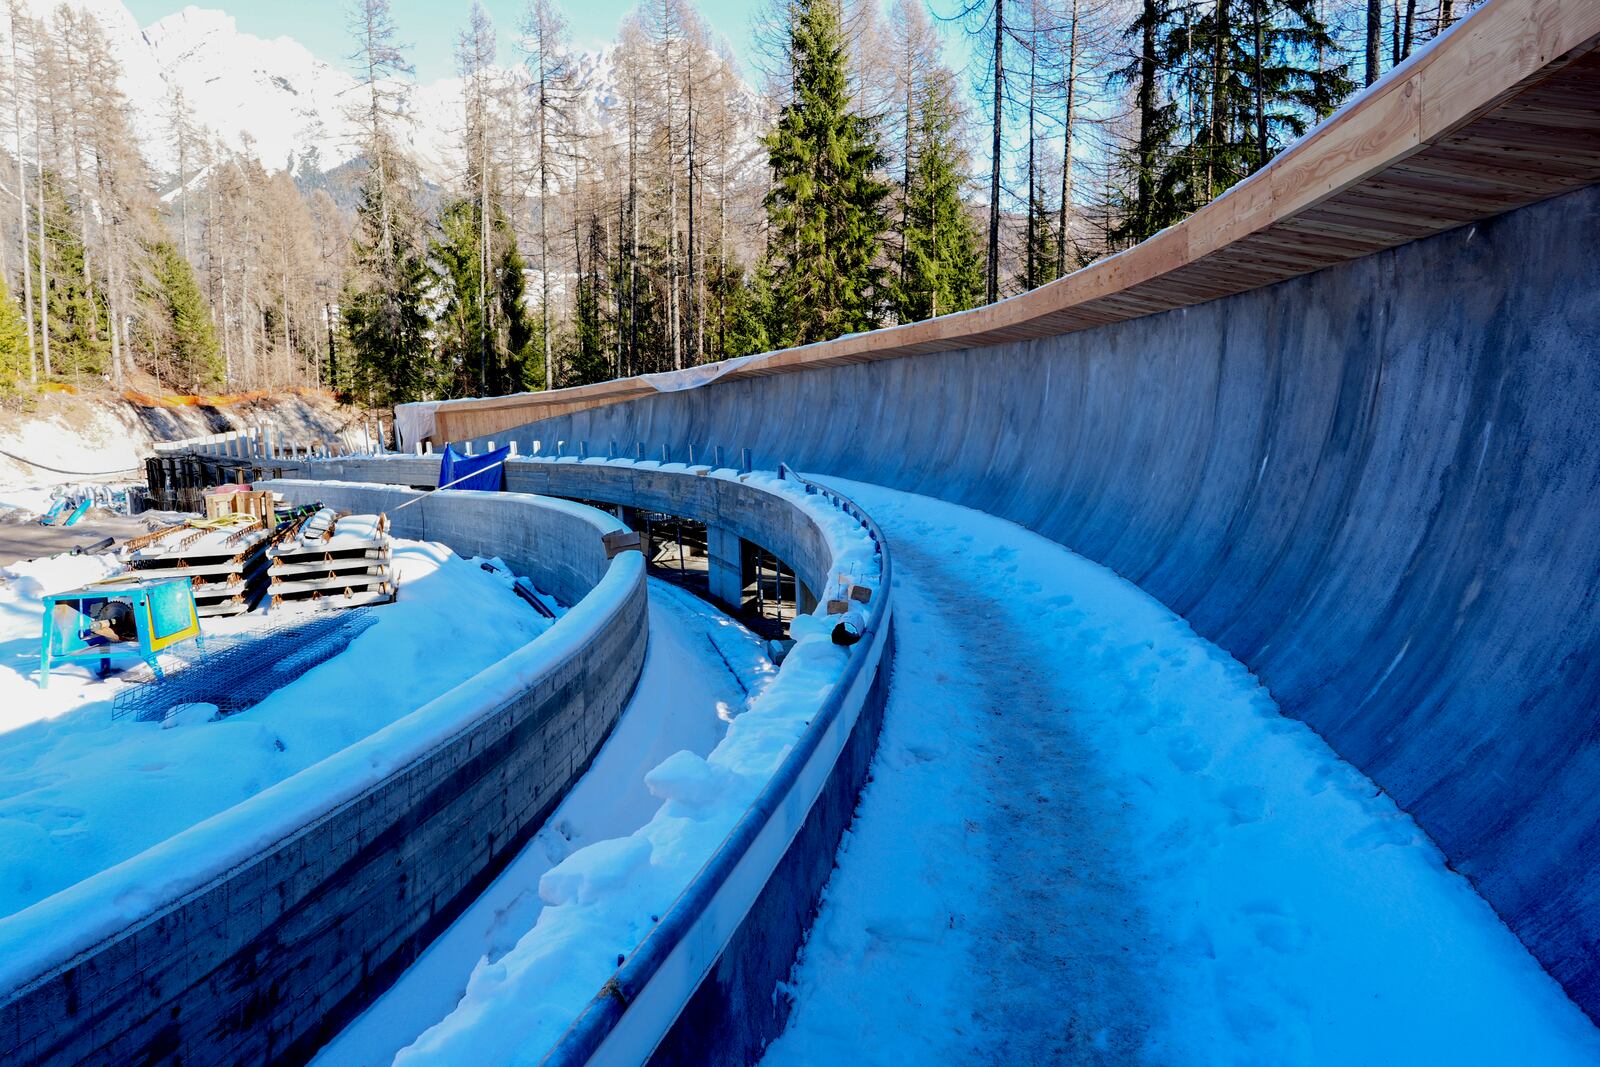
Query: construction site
[1190, 660]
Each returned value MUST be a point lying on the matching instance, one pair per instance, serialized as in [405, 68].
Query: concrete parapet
[700, 988]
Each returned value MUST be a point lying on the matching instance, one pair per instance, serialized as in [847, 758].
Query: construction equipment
[128, 614]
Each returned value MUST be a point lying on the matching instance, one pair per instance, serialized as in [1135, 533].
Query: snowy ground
[80, 792]
[699, 671]
[1090, 837]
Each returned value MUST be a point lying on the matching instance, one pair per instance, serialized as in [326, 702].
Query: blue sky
[430, 26]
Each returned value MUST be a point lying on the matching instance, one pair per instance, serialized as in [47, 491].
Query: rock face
[1374, 485]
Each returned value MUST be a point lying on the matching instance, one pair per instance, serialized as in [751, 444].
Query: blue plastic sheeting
[487, 471]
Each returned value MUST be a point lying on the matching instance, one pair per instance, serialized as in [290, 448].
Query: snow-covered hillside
[276, 100]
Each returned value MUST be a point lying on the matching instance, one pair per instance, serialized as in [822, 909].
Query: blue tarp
[477, 472]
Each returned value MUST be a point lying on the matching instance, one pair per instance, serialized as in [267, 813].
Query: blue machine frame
[163, 611]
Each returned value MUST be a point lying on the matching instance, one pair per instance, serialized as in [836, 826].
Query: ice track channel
[1090, 837]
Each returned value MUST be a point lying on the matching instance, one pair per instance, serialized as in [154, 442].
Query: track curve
[1373, 485]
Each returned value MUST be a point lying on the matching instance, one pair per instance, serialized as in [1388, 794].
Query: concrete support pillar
[808, 599]
[725, 566]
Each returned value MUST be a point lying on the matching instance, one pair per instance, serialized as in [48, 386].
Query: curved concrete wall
[266, 959]
[700, 987]
[1375, 485]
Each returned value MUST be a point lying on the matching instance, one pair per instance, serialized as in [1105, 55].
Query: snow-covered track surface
[695, 984]
[251, 936]
[1090, 837]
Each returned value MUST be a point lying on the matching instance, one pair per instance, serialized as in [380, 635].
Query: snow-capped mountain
[278, 101]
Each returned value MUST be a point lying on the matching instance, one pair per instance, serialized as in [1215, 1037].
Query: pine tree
[195, 355]
[944, 270]
[13, 343]
[826, 204]
[385, 327]
[483, 331]
[76, 311]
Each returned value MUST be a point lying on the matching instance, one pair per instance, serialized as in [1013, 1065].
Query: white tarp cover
[413, 422]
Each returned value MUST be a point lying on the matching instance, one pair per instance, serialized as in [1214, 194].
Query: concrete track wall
[265, 961]
[700, 987]
[1375, 485]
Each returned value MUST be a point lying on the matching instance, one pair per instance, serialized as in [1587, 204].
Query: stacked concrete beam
[227, 566]
[339, 563]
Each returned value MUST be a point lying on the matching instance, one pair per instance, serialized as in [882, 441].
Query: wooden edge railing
[1499, 113]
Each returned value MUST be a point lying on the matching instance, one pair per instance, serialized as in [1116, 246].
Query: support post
[725, 566]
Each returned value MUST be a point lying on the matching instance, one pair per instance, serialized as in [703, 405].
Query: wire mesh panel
[241, 671]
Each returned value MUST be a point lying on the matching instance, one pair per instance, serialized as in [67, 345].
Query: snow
[102, 819]
[698, 672]
[107, 441]
[1090, 835]
[277, 101]
[602, 900]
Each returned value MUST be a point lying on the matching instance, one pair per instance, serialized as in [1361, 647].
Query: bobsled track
[1344, 421]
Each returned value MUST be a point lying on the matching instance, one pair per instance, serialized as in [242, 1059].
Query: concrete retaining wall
[1375, 485]
[264, 962]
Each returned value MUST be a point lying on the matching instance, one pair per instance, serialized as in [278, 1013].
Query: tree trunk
[692, 293]
[544, 210]
[1219, 77]
[1261, 90]
[44, 248]
[22, 204]
[1033, 95]
[1145, 204]
[1064, 218]
[1374, 39]
[992, 283]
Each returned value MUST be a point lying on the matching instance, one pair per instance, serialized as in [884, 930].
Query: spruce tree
[826, 204]
[80, 343]
[943, 270]
[485, 337]
[1257, 76]
[589, 358]
[750, 328]
[178, 299]
[13, 343]
[385, 327]
[1042, 255]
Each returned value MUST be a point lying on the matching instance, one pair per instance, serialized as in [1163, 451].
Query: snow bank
[165, 811]
[603, 900]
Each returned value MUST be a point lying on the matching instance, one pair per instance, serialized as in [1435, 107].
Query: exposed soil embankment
[58, 436]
